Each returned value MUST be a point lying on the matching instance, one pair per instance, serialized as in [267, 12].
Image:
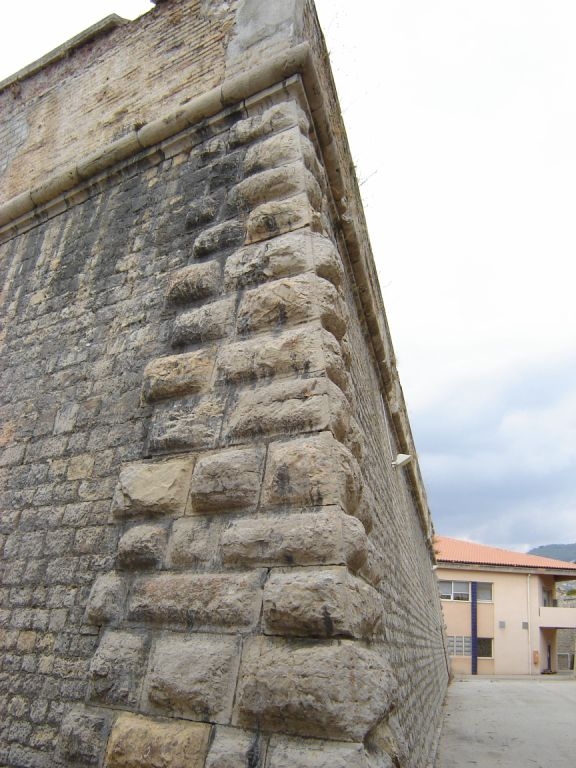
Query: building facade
[500, 608]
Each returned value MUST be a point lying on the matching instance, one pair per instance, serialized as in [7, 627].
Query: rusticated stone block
[323, 537]
[194, 422]
[278, 216]
[233, 747]
[83, 736]
[287, 407]
[290, 254]
[199, 601]
[194, 676]
[194, 542]
[292, 301]
[278, 184]
[117, 668]
[217, 238]
[138, 741]
[153, 488]
[287, 752]
[208, 322]
[106, 600]
[312, 471]
[303, 350]
[320, 602]
[201, 212]
[336, 690]
[284, 148]
[198, 281]
[227, 480]
[142, 547]
[176, 375]
[275, 119]
[374, 568]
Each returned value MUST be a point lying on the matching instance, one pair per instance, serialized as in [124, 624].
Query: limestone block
[227, 234]
[292, 301]
[194, 676]
[208, 322]
[116, 669]
[367, 508]
[106, 600]
[312, 471]
[278, 118]
[142, 547]
[198, 281]
[194, 542]
[278, 216]
[289, 254]
[287, 752]
[227, 480]
[303, 350]
[283, 148]
[159, 488]
[335, 690]
[193, 422]
[234, 748]
[199, 601]
[83, 736]
[176, 375]
[278, 184]
[320, 602]
[327, 536]
[138, 741]
[374, 567]
[288, 407]
[201, 212]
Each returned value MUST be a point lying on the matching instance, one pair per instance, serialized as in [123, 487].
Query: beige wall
[517, 598]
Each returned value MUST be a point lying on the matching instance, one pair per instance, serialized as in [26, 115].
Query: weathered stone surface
[117, 668]
[337, 690]
[304, 350]
[312, 471]
[289, 254]
[234, 748]
[320, 602]
[194, 542]
[195, 676]
[292, 301]
[194, 422]
[83, 736]
[178, 375]
[106, 600]
[159, 488]
[283, 148]
[195, 282]
[201, 212]
[288, 407]
[142, 547]
[208, 322]
[199, 601]
[138, 741]
[327, 536]
[277, 118]
[288, 752]
[278, 216]
[374, 568]
[278, 184]
[227, 480]
[219, 237]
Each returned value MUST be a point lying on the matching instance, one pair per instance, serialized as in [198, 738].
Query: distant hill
[556, 551]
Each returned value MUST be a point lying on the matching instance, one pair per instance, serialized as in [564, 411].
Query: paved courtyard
[509, 723]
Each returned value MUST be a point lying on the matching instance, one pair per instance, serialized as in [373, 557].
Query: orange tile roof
[457, 551]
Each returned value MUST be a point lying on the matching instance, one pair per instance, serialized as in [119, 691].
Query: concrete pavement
[509, 723]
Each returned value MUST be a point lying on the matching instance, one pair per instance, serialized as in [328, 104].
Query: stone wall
[208, 558]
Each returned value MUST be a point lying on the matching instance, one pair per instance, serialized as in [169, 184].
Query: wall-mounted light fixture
[402, 459]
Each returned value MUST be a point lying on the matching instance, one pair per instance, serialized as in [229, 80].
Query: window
[460, 590]
[462, 646]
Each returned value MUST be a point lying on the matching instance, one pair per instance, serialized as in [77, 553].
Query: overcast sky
[461, 116]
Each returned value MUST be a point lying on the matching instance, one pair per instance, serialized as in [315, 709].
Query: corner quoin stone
[153, 488]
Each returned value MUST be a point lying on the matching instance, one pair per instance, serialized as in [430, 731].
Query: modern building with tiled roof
[500, 608]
